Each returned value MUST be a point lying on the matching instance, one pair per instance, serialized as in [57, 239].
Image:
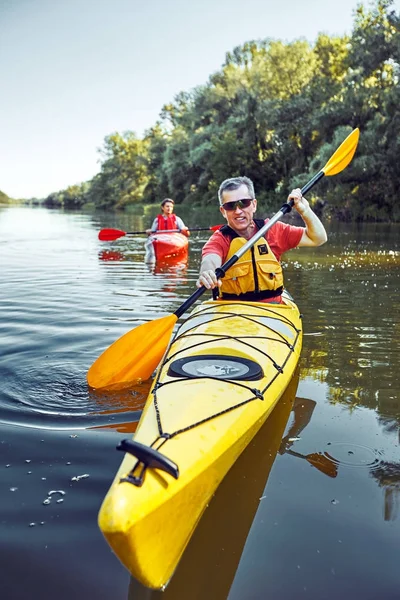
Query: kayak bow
[225, 370]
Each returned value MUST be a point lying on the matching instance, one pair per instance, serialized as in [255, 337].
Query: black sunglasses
[245, 203]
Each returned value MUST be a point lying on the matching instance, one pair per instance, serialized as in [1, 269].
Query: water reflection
[111, 255]
[355, 314]
[123, 407]
[174, 267]
[387, 475]
[303, 409]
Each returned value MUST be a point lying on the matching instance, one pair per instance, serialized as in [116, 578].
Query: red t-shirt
[281, 238]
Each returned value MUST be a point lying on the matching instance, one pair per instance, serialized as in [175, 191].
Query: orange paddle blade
[133, 356]
[343, 155]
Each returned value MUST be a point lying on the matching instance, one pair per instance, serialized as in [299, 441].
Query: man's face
[239, 218]
[167, 208]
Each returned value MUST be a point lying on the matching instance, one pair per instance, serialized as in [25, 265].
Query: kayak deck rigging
[224, 371]
[149, 456]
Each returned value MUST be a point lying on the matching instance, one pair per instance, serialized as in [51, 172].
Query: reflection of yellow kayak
[224, 371]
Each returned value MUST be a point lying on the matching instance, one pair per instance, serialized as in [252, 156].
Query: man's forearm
[314, 229]
[210, 262]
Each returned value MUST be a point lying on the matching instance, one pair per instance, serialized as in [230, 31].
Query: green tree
[273, 112]
[123, 176]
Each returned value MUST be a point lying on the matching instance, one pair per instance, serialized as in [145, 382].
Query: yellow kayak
[224, 371]
[217, 544]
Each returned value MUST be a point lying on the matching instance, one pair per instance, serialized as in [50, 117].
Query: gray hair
[234, 183]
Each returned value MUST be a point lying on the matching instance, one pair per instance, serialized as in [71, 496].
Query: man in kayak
[257, 276]
[166, 220]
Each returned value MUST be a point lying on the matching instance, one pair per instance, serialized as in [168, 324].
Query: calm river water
[311, 509]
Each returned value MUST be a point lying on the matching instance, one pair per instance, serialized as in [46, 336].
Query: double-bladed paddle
[108, 234]
[136, 354]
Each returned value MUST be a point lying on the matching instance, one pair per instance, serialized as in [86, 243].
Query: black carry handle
[149, 457]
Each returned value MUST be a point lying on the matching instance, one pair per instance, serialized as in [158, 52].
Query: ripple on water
[60, 398]
[347, 454]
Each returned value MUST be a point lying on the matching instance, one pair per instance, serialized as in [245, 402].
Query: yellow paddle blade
[133, 356]
[322, 463]
[343, 155]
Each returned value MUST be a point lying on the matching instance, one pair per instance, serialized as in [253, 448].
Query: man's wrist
[306, 212]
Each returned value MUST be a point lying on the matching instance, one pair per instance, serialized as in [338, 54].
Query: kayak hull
[202, 423]
[160, 246]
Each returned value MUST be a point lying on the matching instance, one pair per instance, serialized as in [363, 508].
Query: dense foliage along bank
[275, 112]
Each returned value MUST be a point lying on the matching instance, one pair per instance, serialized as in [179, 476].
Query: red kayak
[163, 245]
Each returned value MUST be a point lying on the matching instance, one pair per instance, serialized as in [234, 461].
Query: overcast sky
[74, 71]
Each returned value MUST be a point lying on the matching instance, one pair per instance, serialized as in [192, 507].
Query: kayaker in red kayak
[257, 276]
[166, 220]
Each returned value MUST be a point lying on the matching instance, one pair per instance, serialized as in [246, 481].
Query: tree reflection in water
[387, 474]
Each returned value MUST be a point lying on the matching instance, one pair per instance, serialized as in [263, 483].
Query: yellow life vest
[256, 275]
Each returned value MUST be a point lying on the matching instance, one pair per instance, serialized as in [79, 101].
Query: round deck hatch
[216, 365]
